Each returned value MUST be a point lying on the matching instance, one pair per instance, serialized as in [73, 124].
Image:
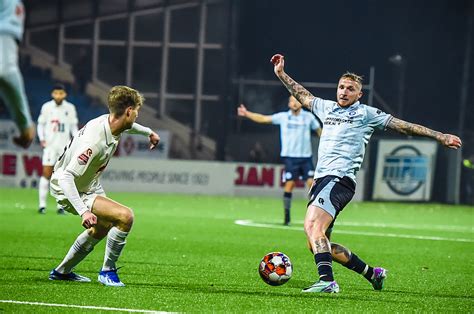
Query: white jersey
[86, 156]
[56, 124]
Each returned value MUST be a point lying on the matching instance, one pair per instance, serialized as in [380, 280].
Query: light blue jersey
[12, 15]
[12, 89]
[295, 132]
[346, 132]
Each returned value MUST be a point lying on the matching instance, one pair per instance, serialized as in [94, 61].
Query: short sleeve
[42, 116]
[320, 107]
[73, 115]
[376, 118]
[81, 159]
[277, 118]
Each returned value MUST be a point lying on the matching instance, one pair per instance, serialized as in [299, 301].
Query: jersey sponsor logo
[321, 201]
[405, 170]
[83, 158]
[337, 121]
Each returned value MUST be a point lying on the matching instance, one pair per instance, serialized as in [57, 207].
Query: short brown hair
[122, 97]
[353, 77]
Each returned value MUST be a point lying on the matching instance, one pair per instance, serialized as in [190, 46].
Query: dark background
[323, 39]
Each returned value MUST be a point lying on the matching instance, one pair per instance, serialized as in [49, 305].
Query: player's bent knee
[318, 230]
[308, 228]
[127, 217]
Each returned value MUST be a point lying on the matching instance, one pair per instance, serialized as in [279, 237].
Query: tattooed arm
[297, 90]
[448, 140]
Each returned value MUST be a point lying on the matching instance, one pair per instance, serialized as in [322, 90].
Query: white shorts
[51, 155]
[88, 198]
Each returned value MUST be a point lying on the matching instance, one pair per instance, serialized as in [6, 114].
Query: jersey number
[57, 126]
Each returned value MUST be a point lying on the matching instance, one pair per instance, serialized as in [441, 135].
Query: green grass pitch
[187, 254]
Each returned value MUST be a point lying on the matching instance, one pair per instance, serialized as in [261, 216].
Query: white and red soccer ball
[275, 268]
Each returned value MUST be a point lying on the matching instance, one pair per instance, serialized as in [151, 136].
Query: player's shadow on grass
[423, 294]
[29, 257]
[244, 291]
[57, 259]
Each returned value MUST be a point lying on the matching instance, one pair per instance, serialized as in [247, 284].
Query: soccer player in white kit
[347, 128]
[296, 149]
[57, 123]
[75, 185]
[12, 89]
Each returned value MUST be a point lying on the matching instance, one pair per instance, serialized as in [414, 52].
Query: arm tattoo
[297, 90]
[322, 245]
[413, 129]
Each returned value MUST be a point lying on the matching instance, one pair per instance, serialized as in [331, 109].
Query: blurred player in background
[57, 123]
[296, 150]
[75, 185]
[348, 126]
[12, 89]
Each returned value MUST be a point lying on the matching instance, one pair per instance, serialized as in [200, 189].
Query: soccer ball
[275, 268]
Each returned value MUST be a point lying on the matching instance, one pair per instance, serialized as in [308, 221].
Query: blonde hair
[122, 97]
[353, 77]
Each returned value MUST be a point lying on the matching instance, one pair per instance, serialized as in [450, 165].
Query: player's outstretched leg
[12, 91]
[375, 275]
[316, 223]
[83, 245]
[121, 220]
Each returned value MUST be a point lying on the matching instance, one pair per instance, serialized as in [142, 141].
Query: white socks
[83, 245]
[43, 191]
[115, 243]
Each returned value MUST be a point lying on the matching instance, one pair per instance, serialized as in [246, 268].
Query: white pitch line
[250, 223]
[103, 308]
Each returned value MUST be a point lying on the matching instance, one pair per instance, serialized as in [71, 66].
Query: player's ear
[128, 111]
[360, 94]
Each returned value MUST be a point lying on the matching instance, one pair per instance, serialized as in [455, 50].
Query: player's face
[58, 95]
[131, 115]
[348, 92]
[294, 104]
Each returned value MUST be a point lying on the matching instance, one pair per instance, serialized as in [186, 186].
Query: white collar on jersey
[109, 137]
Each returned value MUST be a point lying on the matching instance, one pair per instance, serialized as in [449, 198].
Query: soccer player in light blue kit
[12, 90]
[347, 128]
[296, 150]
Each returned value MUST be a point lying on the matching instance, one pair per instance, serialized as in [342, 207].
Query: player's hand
[26, 137]
[278, 61]
[242, 111]
[43, 144]
[154, 140]
[451, 141]
[88, 219]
